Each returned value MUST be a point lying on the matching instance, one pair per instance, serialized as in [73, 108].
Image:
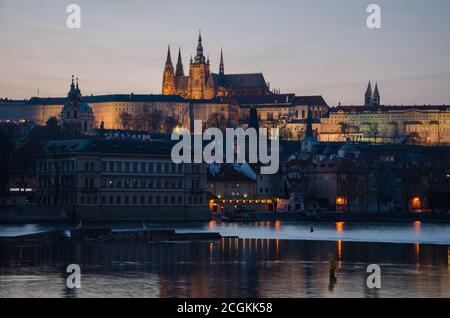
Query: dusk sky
[305, 47]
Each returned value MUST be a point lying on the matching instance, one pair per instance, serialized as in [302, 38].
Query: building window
[127, 200]
[111, 199]
[103, 200]
[166, 200]
[150, 199]
[142, 200]
[158, 199]
[118, 200]
[134, 199]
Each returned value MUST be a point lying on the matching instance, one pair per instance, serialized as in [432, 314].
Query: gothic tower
[368, 97]
[376, 101]
[222, 66]
[168, 76]
[201, 83]
[180, 68]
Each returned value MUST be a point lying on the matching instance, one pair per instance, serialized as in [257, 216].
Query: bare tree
[154, 121]
[217, 120]
[413, 139]
[6, 161]
[25, 163]
[170, 123]
[125, 120]
[346, 129]
[374, 131]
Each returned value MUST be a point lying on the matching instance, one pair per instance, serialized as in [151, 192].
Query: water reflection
[228, 268]
[414, 232]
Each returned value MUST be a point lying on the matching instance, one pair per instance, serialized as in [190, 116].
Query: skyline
[121, 48]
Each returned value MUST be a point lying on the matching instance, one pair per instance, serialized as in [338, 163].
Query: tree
[6, 160]
[413, 139]
[346, 129]
[374, 131]
[25, 162]
[170, 124]
[217, 120]
[125, 120]
[52, 129]
[301, 134]
[285, 134]
[154, 121]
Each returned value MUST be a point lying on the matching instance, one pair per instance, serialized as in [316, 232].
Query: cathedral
[372, 98]
[201, 83]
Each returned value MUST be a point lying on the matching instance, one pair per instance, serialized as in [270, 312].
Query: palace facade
[419, 125]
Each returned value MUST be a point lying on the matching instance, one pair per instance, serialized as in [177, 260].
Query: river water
[268, 260]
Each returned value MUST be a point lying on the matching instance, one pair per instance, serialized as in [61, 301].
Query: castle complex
[201, 83]
[229, 98]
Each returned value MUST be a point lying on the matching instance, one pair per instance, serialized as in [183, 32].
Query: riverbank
[35, 215]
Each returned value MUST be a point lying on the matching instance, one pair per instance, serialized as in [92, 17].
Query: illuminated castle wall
[108, 108]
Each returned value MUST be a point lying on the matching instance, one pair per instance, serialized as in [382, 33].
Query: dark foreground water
[228, 268]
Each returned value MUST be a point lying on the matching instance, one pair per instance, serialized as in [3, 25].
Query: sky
[306, 47]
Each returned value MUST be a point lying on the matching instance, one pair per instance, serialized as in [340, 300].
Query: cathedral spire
[376, 96]
[169, 57]
[180, 69]
[200, 58]
[222, 66]
[368, 97]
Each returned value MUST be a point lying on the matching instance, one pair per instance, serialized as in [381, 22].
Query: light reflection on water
[414, 232]
[228, 268]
